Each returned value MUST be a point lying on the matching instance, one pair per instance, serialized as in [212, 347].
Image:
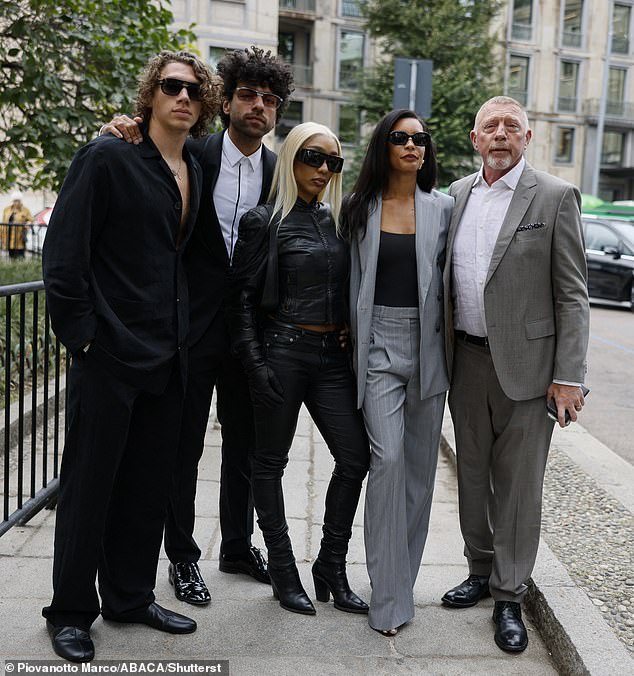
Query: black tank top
[396, 278]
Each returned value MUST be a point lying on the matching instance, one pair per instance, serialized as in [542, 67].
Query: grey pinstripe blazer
[535, 296]
[433, 212]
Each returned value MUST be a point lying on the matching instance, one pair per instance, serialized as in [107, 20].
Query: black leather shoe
[468, 593]
[252, 563]
[188, 583]
[331, 578]
[287, 588]
[157, 617]
[510, 632]
[71, 643]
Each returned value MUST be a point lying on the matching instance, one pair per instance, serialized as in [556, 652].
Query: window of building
[286, 46]
[215, 54]
[518, 78]
[568, 79]
[565, 144]
[293, 116]
[612, 151]
[616, 92]
[349, 123]
[621, 15]
[522, 22]
[350, 8]
[572, 21]
[350, 59]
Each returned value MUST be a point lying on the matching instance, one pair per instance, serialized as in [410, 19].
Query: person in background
[237, 172]
[397, 224]
[123, 313]
[516, 295]
[15, 217]
[288, 306]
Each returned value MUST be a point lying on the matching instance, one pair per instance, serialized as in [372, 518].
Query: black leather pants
[312, 370]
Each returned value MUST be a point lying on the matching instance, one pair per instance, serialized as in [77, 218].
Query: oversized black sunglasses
[249, 95]
[400, 138]
[172, 87]
[315, 158]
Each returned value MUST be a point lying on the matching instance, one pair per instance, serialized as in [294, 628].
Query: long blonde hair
[284, 187]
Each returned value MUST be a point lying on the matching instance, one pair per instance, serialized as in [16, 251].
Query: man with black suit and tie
[518, 320]
[116, 289]
[237, 172]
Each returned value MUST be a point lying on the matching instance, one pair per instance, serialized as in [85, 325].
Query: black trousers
[312, 370]
[211, 365]
[114, 485]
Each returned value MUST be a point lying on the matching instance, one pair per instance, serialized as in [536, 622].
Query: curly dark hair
[374, 174]
[210, 88]
[256, 67]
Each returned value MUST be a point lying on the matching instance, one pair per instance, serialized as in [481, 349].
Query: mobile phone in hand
[551, 408]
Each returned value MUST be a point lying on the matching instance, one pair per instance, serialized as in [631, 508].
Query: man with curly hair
[116, 288]
[237, 172]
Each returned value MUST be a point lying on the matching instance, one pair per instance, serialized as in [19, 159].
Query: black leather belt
[480, 341]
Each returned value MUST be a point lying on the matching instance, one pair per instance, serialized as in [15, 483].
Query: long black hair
[375, 172]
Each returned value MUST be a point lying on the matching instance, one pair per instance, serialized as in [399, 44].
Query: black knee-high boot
[287, 587]
[329, 570]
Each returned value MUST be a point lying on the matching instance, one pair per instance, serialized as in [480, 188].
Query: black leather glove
[265, 388]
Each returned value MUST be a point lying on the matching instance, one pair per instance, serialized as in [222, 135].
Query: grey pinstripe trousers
[404, 434]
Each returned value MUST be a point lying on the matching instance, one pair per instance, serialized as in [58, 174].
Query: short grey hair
[504, 101]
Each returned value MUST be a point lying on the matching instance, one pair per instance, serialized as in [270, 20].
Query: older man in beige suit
[517, 314]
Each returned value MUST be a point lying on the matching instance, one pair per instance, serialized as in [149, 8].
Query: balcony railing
[520, 95]
[32, 384]
[302, 75]
[567, 104]
[620, 45]
[521, 31]
[306, 6]
[621, 110]
[350, 8]
[572, 39]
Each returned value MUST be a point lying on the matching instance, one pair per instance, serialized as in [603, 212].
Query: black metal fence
[17, 239]
[33, 394]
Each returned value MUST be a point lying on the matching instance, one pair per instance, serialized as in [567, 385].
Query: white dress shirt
[237, 189]
[475, 240]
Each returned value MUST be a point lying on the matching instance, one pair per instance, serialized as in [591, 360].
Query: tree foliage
[455, 35]
[65, 67]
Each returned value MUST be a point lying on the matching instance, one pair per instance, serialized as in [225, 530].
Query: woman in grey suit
[397, 226]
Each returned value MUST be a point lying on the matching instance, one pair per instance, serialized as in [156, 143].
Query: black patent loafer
[468, 593]
[157, 617]
[252, 563]
[510, 632]
[71, 643]
[188, 583]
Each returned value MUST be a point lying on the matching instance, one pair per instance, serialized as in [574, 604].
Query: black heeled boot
[329, 570]
[269, 504]
[331, 578]
[287, 588]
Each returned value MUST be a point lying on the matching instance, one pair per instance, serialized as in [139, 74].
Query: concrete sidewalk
[244, 624]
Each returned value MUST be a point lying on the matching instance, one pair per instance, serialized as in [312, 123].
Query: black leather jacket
[301, 262]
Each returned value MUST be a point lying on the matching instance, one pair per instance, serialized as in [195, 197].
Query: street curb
[579, 640]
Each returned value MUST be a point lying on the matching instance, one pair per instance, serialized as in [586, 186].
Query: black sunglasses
[173, 87]
[249, 95]
[315, 158]
[400, 138]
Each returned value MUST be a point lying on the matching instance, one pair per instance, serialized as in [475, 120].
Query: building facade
[323, 40]
[562, 59]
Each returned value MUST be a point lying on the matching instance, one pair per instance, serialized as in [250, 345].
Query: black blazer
[206, 256]
[113, 272]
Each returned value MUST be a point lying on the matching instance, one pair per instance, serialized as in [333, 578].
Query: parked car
[610, 259]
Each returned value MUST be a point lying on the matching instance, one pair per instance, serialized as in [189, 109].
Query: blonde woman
[290, 279]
